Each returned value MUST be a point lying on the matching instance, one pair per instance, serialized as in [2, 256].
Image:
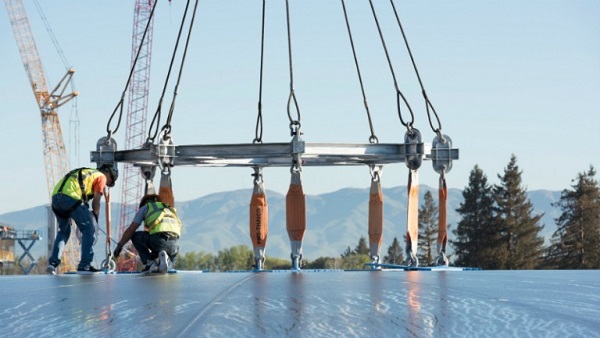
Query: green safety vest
[78, 184]
[161, 217]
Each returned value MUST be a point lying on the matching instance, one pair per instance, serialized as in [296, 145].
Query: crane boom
[55, 154]
[26, 44]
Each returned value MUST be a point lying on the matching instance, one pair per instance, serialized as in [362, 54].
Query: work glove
[117, 251]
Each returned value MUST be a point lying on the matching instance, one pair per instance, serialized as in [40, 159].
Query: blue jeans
[148, 246]
[86, 223]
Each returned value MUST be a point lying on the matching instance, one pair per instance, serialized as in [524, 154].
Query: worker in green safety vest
[158, 245]
[71, 200]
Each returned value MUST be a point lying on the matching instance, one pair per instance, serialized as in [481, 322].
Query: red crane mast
[135, 134]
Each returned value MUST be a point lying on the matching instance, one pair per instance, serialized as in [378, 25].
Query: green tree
[428, 230]
[355, 261]
[186, 261]
[477, 236]
[362, 248]
[238, 257]
[519, 228]
[575, 241]
[276, 263]
[395, 254]
[347, 253]
[323, 263]
[196, 261]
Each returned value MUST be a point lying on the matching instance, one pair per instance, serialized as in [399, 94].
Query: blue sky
[506, 77]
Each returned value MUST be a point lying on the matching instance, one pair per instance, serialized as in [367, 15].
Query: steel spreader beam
[270, 154]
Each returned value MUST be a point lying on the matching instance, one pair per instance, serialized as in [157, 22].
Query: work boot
[163, 265]
[150, 267]
[51, 269]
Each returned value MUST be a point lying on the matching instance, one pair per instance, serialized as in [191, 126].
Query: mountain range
[335, 221]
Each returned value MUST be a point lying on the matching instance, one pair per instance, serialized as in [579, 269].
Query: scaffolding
[26, 239]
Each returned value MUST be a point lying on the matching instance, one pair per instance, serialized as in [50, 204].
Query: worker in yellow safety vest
[70, 200]
[158, 246]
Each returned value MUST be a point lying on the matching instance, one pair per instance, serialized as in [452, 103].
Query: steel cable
[120, 103]
[399, 96]
[427, 102]
[372, 138]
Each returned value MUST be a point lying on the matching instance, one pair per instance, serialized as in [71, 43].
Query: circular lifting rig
[296, 154]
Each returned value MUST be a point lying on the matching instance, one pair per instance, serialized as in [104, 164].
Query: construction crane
[135, 134]
[55, 154]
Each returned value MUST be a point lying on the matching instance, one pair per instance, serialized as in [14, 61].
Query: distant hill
[334, 220]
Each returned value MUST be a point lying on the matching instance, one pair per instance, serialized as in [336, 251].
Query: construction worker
[70, 200]
[158, 246]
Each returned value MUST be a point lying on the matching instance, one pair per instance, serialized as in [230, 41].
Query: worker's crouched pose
[158, 246]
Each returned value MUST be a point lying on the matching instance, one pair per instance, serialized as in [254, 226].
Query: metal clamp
[165, 152]
[413, 149]
[297, 149]
[442, 154]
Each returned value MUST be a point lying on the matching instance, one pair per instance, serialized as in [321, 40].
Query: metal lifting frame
[272, 154]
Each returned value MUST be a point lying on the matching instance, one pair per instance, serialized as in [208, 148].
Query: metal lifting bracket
[442, 154]
[105, 147]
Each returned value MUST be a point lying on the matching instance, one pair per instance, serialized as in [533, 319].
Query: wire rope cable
[427, 102]
[372, 138]
[119, 106]
[167, 127]
[259, 122]
[157, 114]
[52, 36]
[399, 95]
[294, 124]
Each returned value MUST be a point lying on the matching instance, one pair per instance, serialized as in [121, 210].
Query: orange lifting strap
[165, 191]
[442, 239]
[375, 216]
[259, 219]
[295, 204]
[412, 221]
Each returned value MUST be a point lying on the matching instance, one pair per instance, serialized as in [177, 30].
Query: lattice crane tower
[55, 154]
[135, 134]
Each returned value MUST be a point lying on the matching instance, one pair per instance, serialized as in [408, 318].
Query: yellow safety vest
[162, 217]
[78, 184]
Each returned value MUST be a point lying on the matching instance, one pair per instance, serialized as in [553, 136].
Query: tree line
[498, 229]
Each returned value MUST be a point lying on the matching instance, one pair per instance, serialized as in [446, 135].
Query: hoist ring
[441, 158]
